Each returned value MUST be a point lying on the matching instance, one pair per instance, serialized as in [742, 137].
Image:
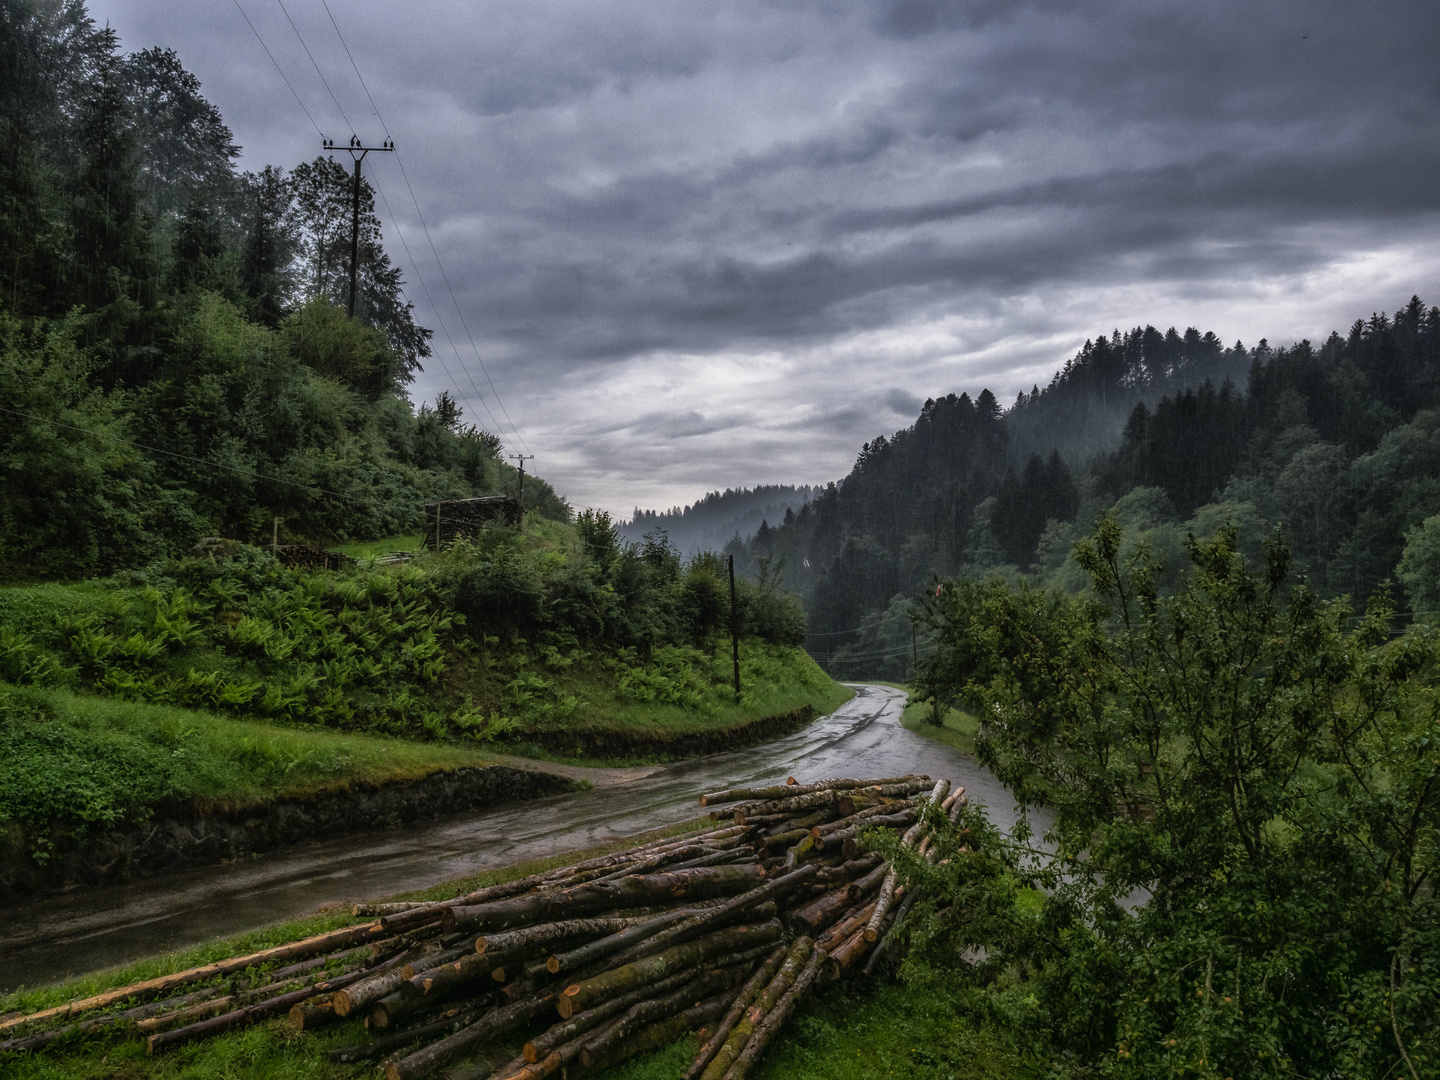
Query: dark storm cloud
[711, 226]
[902, 402]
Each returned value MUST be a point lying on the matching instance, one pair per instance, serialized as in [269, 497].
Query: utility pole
[520, 495]
[357, 153]
[734, 627]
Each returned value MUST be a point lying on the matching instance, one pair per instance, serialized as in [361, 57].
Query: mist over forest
[1337, 444]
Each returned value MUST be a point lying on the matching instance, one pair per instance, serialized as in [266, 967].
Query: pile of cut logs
[722, 932]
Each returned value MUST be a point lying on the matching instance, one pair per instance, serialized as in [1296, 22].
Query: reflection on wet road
[87, 930]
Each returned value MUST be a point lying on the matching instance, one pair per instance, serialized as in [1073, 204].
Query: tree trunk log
[845, 953]
[661, 1033]
[237, 1017]
[743, 1000]
[496, 1022]
[312, 946]
[453, 1019]
[784, 791]
[893, 932]
[650, 937]
[706, 985]
[853, 920]
[775, 1018]
[582, 1022]
[654, 968]
[699, 884]
[726, 1053]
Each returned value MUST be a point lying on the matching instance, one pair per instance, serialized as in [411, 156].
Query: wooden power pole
[734, 627]
[357, 153]
[520, 494]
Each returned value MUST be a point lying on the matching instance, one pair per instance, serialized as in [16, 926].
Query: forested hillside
[1338, 443]
[707, 523]
[175, 357]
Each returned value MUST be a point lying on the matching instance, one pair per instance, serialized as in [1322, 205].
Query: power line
[438, 318]
[323, 80]
[279, 69]
[420, 214]
[393, 219]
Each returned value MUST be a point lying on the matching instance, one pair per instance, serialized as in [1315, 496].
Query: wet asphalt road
[74, 933]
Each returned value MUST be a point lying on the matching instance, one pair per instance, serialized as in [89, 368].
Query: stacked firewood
[722, 931]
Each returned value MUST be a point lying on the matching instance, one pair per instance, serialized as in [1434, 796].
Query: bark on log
[651, 969]
[849, 870]
[654, 935]
[496, 1022]
[661, 1033]
[715, 858]
[237, 1017]
[742, 1001]
[546, 933]
[904, 816]
[581, 1023]
[887, 890]
[311, 946]
[313, 1013]
[892, 931]
[848, 924]
[414, 966]
[783, 791]
[795, 962]
[461, 1015]
[707, 984]
[845, 953]
[743, 815]
[362, 993]
[773, 1020]
[375, 911]
[700, 883]
[85, 1027]
[824, 911]
[884, 809]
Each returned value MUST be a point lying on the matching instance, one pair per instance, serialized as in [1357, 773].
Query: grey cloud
[903, 403]
[618, 184]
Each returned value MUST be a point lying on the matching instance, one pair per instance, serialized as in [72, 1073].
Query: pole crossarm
[358, 150]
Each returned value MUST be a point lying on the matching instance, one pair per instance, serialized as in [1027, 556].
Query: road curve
[68, 935]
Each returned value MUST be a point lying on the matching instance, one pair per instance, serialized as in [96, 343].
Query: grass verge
[957, 728]
[95, 761]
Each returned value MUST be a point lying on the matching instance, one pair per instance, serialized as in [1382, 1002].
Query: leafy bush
[1246, 802]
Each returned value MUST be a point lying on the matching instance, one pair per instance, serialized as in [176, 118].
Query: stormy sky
[701, 245]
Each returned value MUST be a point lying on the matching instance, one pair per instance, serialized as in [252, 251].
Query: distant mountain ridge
[709, 523]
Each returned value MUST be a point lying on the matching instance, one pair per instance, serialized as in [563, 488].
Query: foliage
[494, 640]
[91, 762]
[1338, 442]
[173, 346]
[1246, 803]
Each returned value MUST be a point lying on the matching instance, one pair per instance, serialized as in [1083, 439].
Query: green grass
[95, 761]
[956, 729]
[861, 1030]
[372, 549]
[774, 679]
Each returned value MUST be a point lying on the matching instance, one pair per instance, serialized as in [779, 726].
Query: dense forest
[720, 516]
[175, 356]
[1173, 433]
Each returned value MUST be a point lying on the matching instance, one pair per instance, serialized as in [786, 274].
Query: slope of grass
[94, 761]
[371, 549]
